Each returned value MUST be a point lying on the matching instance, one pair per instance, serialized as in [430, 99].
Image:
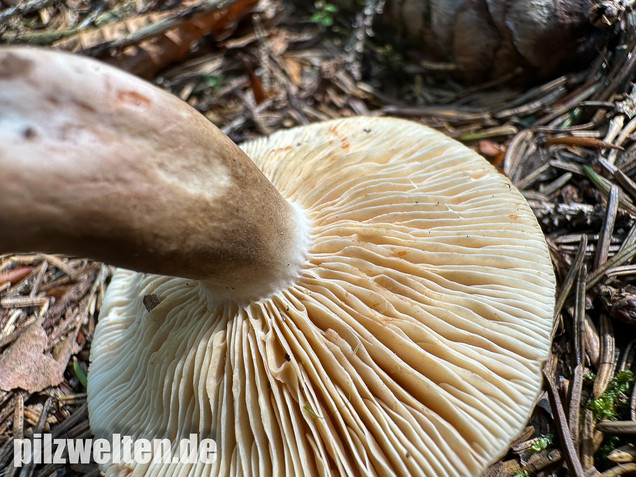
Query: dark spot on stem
[29, 133]
[11, 66]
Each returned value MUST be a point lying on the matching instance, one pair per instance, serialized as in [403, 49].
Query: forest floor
[251, 68]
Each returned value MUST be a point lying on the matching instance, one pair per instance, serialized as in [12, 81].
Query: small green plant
[324, 13]
[214, 81]
[608, 445]
[613, 404]
[79, 372]
[541, 443]
[521, 473]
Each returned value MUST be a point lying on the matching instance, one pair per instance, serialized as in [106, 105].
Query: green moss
[609, 444]
[614, 403]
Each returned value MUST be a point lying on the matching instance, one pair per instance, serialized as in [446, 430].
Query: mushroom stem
[97, 163]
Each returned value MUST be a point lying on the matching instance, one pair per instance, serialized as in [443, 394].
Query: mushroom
[384, 308]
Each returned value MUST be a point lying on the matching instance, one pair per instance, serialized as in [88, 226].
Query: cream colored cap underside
[411, 344]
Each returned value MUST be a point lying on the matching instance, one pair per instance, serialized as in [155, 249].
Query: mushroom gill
[411, 343]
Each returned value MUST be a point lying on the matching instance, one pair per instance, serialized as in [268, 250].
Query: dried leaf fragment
[146, 43]
[25, 365]
[15, 275]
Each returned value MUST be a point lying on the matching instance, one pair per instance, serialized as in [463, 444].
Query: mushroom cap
[411, 344]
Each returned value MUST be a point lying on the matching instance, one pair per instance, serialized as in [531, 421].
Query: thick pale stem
[97, 163]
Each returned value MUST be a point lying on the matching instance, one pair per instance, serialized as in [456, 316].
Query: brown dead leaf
[490, 149]
[15, 275]
[294, 70]
[25, 365]
[145, 44]
[259, 92]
